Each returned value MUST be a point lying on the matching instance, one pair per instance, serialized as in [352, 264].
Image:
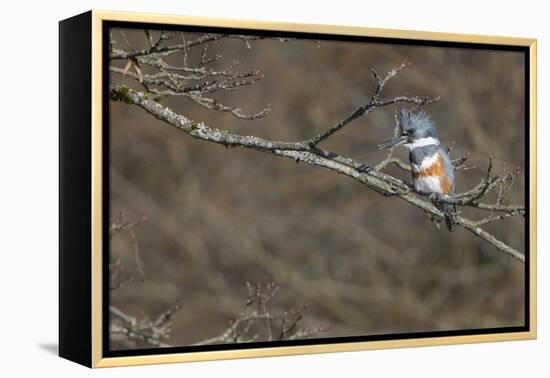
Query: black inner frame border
[106, 352]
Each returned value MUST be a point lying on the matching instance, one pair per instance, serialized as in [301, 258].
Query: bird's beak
[397, 141]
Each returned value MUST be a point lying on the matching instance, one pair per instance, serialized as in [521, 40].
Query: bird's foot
[364, 168]
[435, 198]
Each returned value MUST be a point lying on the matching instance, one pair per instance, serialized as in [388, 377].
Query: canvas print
[270, 189]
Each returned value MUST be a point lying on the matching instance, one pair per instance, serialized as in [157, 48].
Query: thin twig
[373, 103]
[246, 327]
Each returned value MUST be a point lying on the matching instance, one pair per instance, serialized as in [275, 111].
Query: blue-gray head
[414, 125]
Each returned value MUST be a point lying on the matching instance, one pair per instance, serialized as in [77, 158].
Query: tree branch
[373, 103]
[306, 152]
[200, 81]
[119, 54]
[143, 330]
[117, 277]
[255, 322]
[246, 327]
[197, 83]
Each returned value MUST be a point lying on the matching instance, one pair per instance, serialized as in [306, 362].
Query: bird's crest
[414, 119]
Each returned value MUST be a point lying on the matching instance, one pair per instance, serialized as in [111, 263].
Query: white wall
[28, 151]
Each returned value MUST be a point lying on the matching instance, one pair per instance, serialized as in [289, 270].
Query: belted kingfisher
[432, 169]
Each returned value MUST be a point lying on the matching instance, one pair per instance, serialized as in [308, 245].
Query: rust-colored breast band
[435, 169]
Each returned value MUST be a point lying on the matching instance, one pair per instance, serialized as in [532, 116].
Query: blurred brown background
[365, 264]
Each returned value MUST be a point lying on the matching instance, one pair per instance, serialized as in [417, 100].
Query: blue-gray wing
[448, 167]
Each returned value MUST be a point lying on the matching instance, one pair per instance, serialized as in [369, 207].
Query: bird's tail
[447, 210]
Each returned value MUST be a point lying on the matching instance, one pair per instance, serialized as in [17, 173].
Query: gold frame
[99, 16]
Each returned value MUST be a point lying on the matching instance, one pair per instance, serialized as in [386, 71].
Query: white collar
[429, 141]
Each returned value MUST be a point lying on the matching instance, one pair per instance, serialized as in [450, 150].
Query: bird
[431, 167]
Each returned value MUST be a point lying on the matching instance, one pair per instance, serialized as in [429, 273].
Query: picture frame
[87, 95]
